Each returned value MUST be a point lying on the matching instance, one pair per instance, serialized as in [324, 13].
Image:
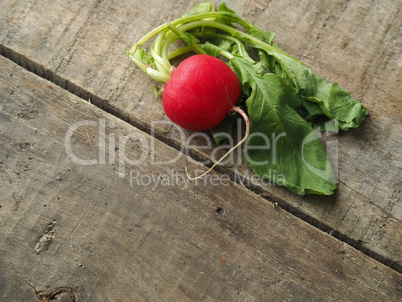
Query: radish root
[246, 120]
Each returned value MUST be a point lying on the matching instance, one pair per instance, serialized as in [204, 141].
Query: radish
[284, 97]
[200, 93]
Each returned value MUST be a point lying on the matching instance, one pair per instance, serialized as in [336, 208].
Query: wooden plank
[83, 232]
[80, 45]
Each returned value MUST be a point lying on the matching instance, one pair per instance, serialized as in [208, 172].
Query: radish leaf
[282, 146]
[203, 7]
[333, 102]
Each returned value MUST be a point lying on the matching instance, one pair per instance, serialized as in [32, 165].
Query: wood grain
[73, 232]
[355, 43]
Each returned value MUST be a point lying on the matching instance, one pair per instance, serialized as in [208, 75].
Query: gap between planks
[93, 99]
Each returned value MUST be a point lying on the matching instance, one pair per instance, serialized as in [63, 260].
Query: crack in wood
[46, 238]
[63, 293]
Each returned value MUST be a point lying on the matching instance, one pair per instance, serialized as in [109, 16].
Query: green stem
[189, 39]
[157, 75]
[175, 22]
[226, 54]
[188, 19]
[223, 37]
[169, 32]
[170, 38]
[177, 52]
[156, 50]
[233, 31]
[162, 65]
[139, 63]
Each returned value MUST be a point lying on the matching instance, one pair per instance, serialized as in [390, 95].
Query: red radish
[200, 93]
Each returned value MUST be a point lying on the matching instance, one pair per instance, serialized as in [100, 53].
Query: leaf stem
[178, 52]
[176, 23]
[234, 32]
[171, 31]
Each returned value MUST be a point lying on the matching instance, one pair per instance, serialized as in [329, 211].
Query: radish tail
[245, 117]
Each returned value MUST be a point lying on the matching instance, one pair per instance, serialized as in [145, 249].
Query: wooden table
[83, 216]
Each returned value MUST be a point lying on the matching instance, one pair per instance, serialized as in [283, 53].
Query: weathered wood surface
[80, 45]
[82, 233]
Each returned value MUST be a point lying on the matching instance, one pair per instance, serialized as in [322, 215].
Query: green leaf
[282, 146]
[223, 8]
[203, 7]
[333, 102]
[143, 55]
[338, 104]
[265, 36]
[211, 49]
[142, 59]
[224, 130]
[224, 44]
